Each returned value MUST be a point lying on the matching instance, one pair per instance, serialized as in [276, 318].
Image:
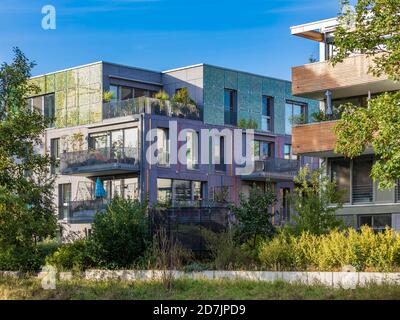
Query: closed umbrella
[99, 191]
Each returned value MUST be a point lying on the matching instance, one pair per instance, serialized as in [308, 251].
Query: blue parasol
[99, 191]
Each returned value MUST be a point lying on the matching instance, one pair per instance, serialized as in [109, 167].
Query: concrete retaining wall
[332, 279]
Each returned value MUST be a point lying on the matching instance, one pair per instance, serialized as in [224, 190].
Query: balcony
[105, 161]
[123, 108]
[84, 211]
[275, 169]
[314, 139]
[349, 78]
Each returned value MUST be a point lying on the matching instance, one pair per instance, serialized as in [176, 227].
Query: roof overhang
[313, 30]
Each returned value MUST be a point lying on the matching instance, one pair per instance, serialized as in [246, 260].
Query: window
[362, 181]
[49, 108]
[219, 154]
[192, 150]
[340, 171]
[55, 154]
[294, 113]
[262, 149]
[162, 147]
[182, 190]
[230, 107]
[124, 188]
[126, 139]
[164, 190]
[179, 191]
[64, 198]
[376, 222]
[115, 92]
[126, 93]
[285, 204]
[287, 153]
[267, 113]
[45, 105]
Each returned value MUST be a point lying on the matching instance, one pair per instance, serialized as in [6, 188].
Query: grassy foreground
[30, 288]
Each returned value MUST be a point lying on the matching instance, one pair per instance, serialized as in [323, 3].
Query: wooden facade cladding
[313, 138]
[321, 76]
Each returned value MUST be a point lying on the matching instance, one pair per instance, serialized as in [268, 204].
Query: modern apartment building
[104, 142]
[332, 86]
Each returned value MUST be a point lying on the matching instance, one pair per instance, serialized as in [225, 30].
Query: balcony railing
[274, 169]
[362, 193]
[122, 108]
[84, 211]
[89, 162]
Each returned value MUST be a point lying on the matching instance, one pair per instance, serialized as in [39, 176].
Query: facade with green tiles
[250, 89]
[78, 94]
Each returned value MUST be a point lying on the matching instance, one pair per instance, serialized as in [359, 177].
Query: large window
[64, 198]
[362, 181]
[125, 93]
[116, 139]
[353, 179]
[267, 113]
[179, 191]
[294, 113]
[45, 105]
[262, 149]
[230, 107]
[55, 154]
[192, 150]
[340, 171]
[377, 222]
[124, 188]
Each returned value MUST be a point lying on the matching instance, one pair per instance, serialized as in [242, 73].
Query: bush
[365, 251]
[70, 256]
[30, 258]
[120, 235]
[226, 254]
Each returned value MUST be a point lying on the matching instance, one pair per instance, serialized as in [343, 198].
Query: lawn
[30, 288]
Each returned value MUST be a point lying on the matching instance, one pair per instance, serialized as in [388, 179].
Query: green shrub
[30, 258]
[226, 253]
[366, 250]
[70, 256]
[120, 235]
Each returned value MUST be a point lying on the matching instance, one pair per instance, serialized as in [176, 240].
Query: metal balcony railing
[105, 158]
[85, 210]
[362, 193]
[122, 108]
[277, 166]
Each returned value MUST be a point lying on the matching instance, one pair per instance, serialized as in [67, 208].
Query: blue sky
[248, 35]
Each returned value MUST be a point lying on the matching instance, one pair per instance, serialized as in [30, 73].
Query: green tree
[26, 186]
[119, 235]
[372, 28]
[254, 217]
[315, 202]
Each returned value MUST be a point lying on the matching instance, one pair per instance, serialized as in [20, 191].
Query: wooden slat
[314, 137]
[322, 76]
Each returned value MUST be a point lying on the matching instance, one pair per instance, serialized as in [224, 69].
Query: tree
[315, 202]
[120, 234]
[26, 186]
[253, 215]
[373, 28]
[182, 96]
